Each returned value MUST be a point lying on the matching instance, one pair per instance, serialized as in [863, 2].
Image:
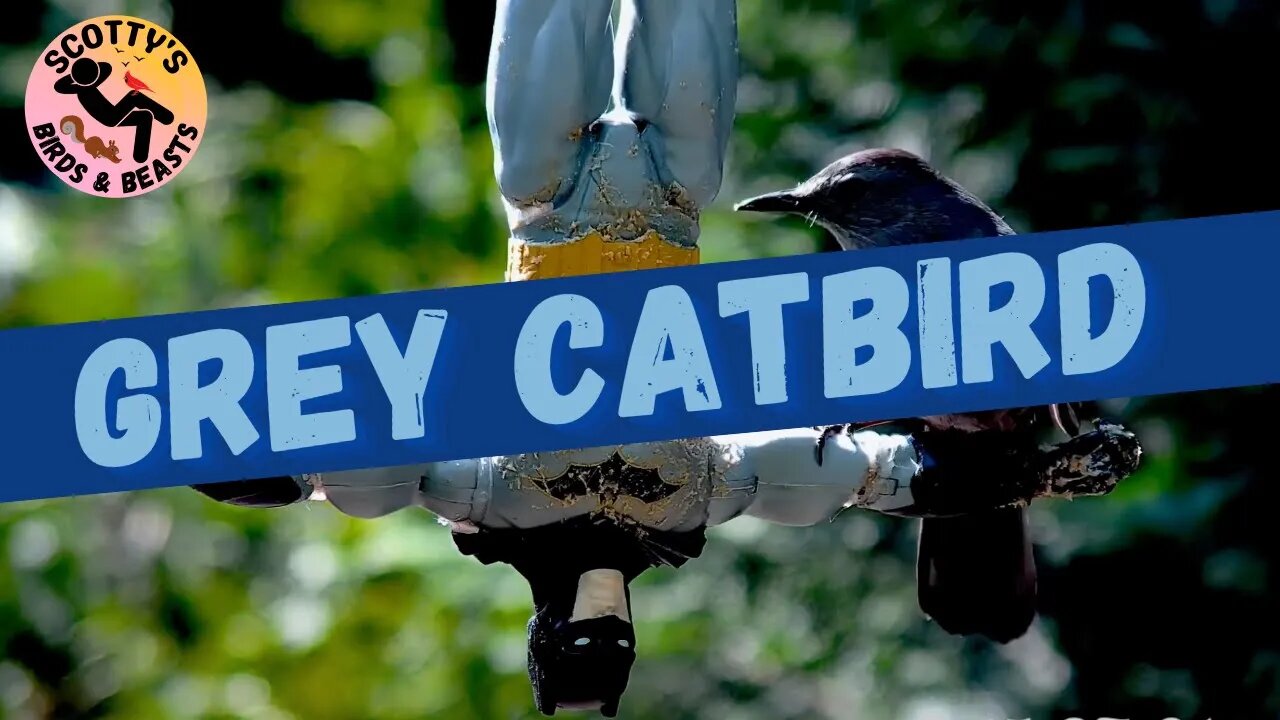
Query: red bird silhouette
[135, 83]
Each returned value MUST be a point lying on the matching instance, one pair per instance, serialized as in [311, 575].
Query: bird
[135, 83]
[976, 574]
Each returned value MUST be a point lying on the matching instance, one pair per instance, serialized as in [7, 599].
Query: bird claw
[827, 433]
[1092, 463]
[1064, 416]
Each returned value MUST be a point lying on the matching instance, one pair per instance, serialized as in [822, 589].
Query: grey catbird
[975, 572]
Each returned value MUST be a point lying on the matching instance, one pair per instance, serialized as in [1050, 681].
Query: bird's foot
[1092, 463]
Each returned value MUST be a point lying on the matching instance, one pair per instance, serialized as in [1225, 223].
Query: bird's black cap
[834, 182]
[881, 197]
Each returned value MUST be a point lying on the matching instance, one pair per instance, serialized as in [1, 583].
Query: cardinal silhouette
[135, 83]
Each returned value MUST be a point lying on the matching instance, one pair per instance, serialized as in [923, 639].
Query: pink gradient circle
[146, 52]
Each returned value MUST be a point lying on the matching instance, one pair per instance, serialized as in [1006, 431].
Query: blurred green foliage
[346, 154]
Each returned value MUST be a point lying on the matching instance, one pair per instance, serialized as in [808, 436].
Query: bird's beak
[783, 201]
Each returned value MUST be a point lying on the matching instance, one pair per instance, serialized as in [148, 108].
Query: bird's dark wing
[976, 574]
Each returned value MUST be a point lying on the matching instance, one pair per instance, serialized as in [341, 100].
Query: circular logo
[116, 106]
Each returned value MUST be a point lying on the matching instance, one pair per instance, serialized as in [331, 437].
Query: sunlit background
[346, 153]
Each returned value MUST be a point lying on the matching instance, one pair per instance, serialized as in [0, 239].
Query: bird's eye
[582, 641]
[624, 643]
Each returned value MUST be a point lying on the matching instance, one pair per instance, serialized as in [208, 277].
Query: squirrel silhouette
[74, 126]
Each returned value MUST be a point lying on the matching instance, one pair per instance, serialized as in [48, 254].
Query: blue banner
[639, 356]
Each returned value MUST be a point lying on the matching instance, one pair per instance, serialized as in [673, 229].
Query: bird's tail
[976, 574]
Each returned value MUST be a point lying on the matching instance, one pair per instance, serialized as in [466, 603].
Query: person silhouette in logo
[134, 109]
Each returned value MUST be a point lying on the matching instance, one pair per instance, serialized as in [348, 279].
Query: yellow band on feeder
[593, 254]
